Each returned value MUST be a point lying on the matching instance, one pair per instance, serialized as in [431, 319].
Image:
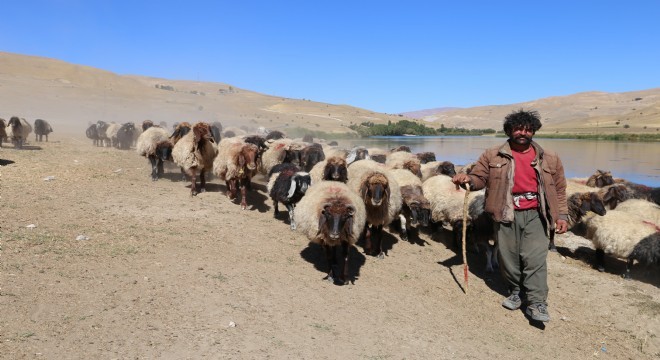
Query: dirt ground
[98, 261]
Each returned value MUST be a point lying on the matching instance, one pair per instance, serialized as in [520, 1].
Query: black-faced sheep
[125, 135]
[624, 236]
[287, 185]
[311, 155]
[18, 130]
[330, 214]
[236, 164]
[154, 144]
[600, 178]
[426, 157]
[41, 128]
[434, 168]
[415, 209]
[332, 169]
[579, 204]
[195, 152]
[381, 196]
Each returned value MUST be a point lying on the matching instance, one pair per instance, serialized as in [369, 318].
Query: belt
[526, 195]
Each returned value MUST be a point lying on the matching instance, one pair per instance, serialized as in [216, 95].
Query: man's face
[521, 135]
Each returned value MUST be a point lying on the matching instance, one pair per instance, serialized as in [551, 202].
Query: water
[638, 162]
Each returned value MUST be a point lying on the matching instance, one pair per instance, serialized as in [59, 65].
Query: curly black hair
[530, 119]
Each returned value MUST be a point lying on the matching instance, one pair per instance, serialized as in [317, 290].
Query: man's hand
[460, 179]
[561, 226]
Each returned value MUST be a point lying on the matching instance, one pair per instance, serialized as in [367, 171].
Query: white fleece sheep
[274, 154]
[111, 133]
[18, 130]
[196, 151]
[146, 142]
[336, 167]
[618, 233]
[434, 168]
[331, 214]
[642, 209]
[416, 208]
[368, 178]
[404, 160]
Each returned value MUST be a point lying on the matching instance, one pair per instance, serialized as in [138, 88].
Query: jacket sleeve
[560, 186]
[480, 172]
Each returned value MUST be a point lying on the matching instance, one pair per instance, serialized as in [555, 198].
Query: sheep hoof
[380, 256]
[404, 236]
[202, 190]
[601, 269]
[154, 179]
[329, 279]
[293, 226]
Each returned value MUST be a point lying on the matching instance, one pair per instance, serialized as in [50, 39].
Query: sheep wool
[187, 154]
[146, 142]
[447, 200]
[359, 172]
[274, 154]
[618, 232]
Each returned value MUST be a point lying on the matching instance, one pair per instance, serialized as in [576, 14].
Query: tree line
[406, 127]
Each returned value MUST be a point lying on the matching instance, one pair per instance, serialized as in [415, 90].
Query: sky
[385, 56]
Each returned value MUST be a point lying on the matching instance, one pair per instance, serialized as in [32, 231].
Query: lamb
[381, 196]
[625, 236]
[331, 214]
[436, 168]
[154, 144]
[18, 130]
[332, 169]
[415, 209]
[125, 136]
[195, 151]
[447, 201]
[236, 164]
[42, 128]
[404, 160]
[288, 185]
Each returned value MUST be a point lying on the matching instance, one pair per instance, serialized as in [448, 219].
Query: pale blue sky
[386, 56]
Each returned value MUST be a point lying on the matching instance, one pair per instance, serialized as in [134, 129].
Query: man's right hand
[459, 179]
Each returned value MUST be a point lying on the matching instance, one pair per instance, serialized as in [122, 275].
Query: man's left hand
[561, 226]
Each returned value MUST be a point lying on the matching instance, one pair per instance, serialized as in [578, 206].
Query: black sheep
[288, 185]
[125, 136]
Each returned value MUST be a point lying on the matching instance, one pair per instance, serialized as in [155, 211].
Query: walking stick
[465, 218]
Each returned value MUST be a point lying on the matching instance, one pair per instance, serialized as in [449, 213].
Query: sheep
[357, 153]
[378, 155]
[403, 148]
[180, 130]
[415, 209]
[195, 151]
[332, 169]
[18, 130]
[102, 133]
[125, 135]
[600, 178]
[288, 185]
[275, 135]
[639, 191]
[447, 202]
[426, 157]
[579, 204]
[311, 155]
[147, 124]
[274, 154]
[333, 150]
[642, 209]
[236, 164]
[154, 144]
[111, 133]
[437, 167]
[624, 236]
[404, 160]
[3, 132]
[381, 196]
[216, 130]
[611, 195]
[465, 169]
[41, 128]
[331, 214]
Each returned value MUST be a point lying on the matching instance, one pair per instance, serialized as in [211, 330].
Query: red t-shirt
[524, 179]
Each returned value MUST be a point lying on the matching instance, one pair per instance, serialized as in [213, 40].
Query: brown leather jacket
[494, 171]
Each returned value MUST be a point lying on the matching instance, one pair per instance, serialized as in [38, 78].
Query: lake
[638, 162]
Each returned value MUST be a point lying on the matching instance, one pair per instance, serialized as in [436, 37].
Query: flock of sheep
[339, 196]
[17, 130]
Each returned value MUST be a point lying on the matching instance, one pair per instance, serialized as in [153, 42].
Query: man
[526, 197]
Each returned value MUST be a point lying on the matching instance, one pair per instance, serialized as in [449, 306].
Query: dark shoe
[538, 312]
[513, 302]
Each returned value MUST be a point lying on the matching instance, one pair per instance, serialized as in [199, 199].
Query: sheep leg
[202, 181]
[193, 183]
[291, 219]
[379, 241]
[331, 257]
[277, 211]
[243, 197]
[629, 265]
[345, 248]
[491, 258]
[367, 239]
[160, 169]
[154, 168]
[404, 231]
[600, 260]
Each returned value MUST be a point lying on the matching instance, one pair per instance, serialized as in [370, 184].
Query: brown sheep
[236, 164]
[195, 152]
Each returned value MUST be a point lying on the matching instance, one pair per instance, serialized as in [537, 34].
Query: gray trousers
[523, 251]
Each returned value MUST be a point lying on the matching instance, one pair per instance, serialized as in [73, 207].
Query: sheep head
[592, 202]
[300, 181]
[164, 150]
[600, 179]
[248, 156]
[202, 131]
[420, 210]
[614, 195]
[336, 221]
[447, 168]
[147, 124]
[375, 190]
[180, 131]
[413, 166]
[335, 170]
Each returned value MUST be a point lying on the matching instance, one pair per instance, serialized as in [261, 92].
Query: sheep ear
[292, 188]
[351, 210]
[586, 206]
[351, 157]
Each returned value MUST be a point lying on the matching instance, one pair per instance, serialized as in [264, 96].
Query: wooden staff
[465, 220]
